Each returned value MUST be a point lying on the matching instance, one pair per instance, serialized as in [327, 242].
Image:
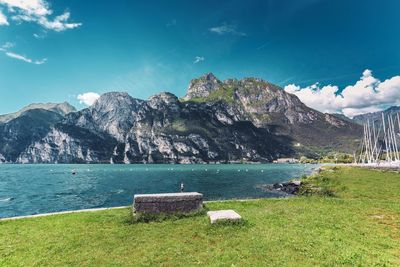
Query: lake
[33, 189]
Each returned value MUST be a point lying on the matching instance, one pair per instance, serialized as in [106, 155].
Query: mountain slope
[217, 121]
[269, 106]
[376, 116]
[160, 130]
[60, 108]
[30, 126]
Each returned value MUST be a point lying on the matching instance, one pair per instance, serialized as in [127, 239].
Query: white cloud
[368, 94]
[6, 49]
[39, 35]
[198, 59]
[226, 29]
[3, 19]
[88, 99]
[38, 11]
[25, 59]
[6, 46]
[31, 7]
[59, 23]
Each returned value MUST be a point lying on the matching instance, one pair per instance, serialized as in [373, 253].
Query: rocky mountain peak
[209, 76]
[65, 108]
[203, 86]
[113, 101]
[113, 97]
[162, 99]
[256, 99]
[113, 113]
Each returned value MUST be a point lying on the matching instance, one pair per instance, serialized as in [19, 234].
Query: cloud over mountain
[88, 98]
[368, 94]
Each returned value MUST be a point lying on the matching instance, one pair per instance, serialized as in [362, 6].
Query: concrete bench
[168, 203]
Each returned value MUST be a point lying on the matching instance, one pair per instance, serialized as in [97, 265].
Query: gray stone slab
[168, 203]
[168, 197]
[223, 215]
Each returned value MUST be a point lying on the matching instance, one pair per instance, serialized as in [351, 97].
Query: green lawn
[358, 226]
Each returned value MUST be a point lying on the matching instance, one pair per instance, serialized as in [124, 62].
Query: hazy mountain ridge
[60, 108]
[376, 116]
[229, 121]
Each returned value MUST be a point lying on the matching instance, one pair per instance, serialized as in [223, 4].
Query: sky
[336, 56]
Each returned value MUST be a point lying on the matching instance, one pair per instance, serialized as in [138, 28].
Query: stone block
[223, 215]
[168, 203]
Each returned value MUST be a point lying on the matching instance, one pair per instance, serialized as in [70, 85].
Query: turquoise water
[33, 189]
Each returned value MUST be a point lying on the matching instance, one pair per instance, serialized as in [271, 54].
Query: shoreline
[58, 213]
[382, 166]
[313, 171]
[40, 215]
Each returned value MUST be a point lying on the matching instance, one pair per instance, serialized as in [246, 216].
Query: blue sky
[144, 47]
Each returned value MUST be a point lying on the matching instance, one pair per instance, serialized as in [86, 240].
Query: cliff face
[121, 129]
[217, 121]
[269, 106]
[30, 126]
[259, 101]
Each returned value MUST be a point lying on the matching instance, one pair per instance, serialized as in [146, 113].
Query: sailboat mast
[385, 137]
[389, 137]
[378, 152]
[396, 151]
[371, 157]
[375, 150]
[398, 121]
[366, 142]
[361, 159]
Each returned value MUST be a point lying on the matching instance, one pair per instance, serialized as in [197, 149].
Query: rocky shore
[291, 187]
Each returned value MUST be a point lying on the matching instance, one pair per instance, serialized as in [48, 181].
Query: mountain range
[62, 109]
[376, 117]
[247, 120]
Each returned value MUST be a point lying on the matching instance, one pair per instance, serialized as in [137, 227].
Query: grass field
[358, 225]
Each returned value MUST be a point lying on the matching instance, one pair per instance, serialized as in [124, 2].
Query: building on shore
[286, 160]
